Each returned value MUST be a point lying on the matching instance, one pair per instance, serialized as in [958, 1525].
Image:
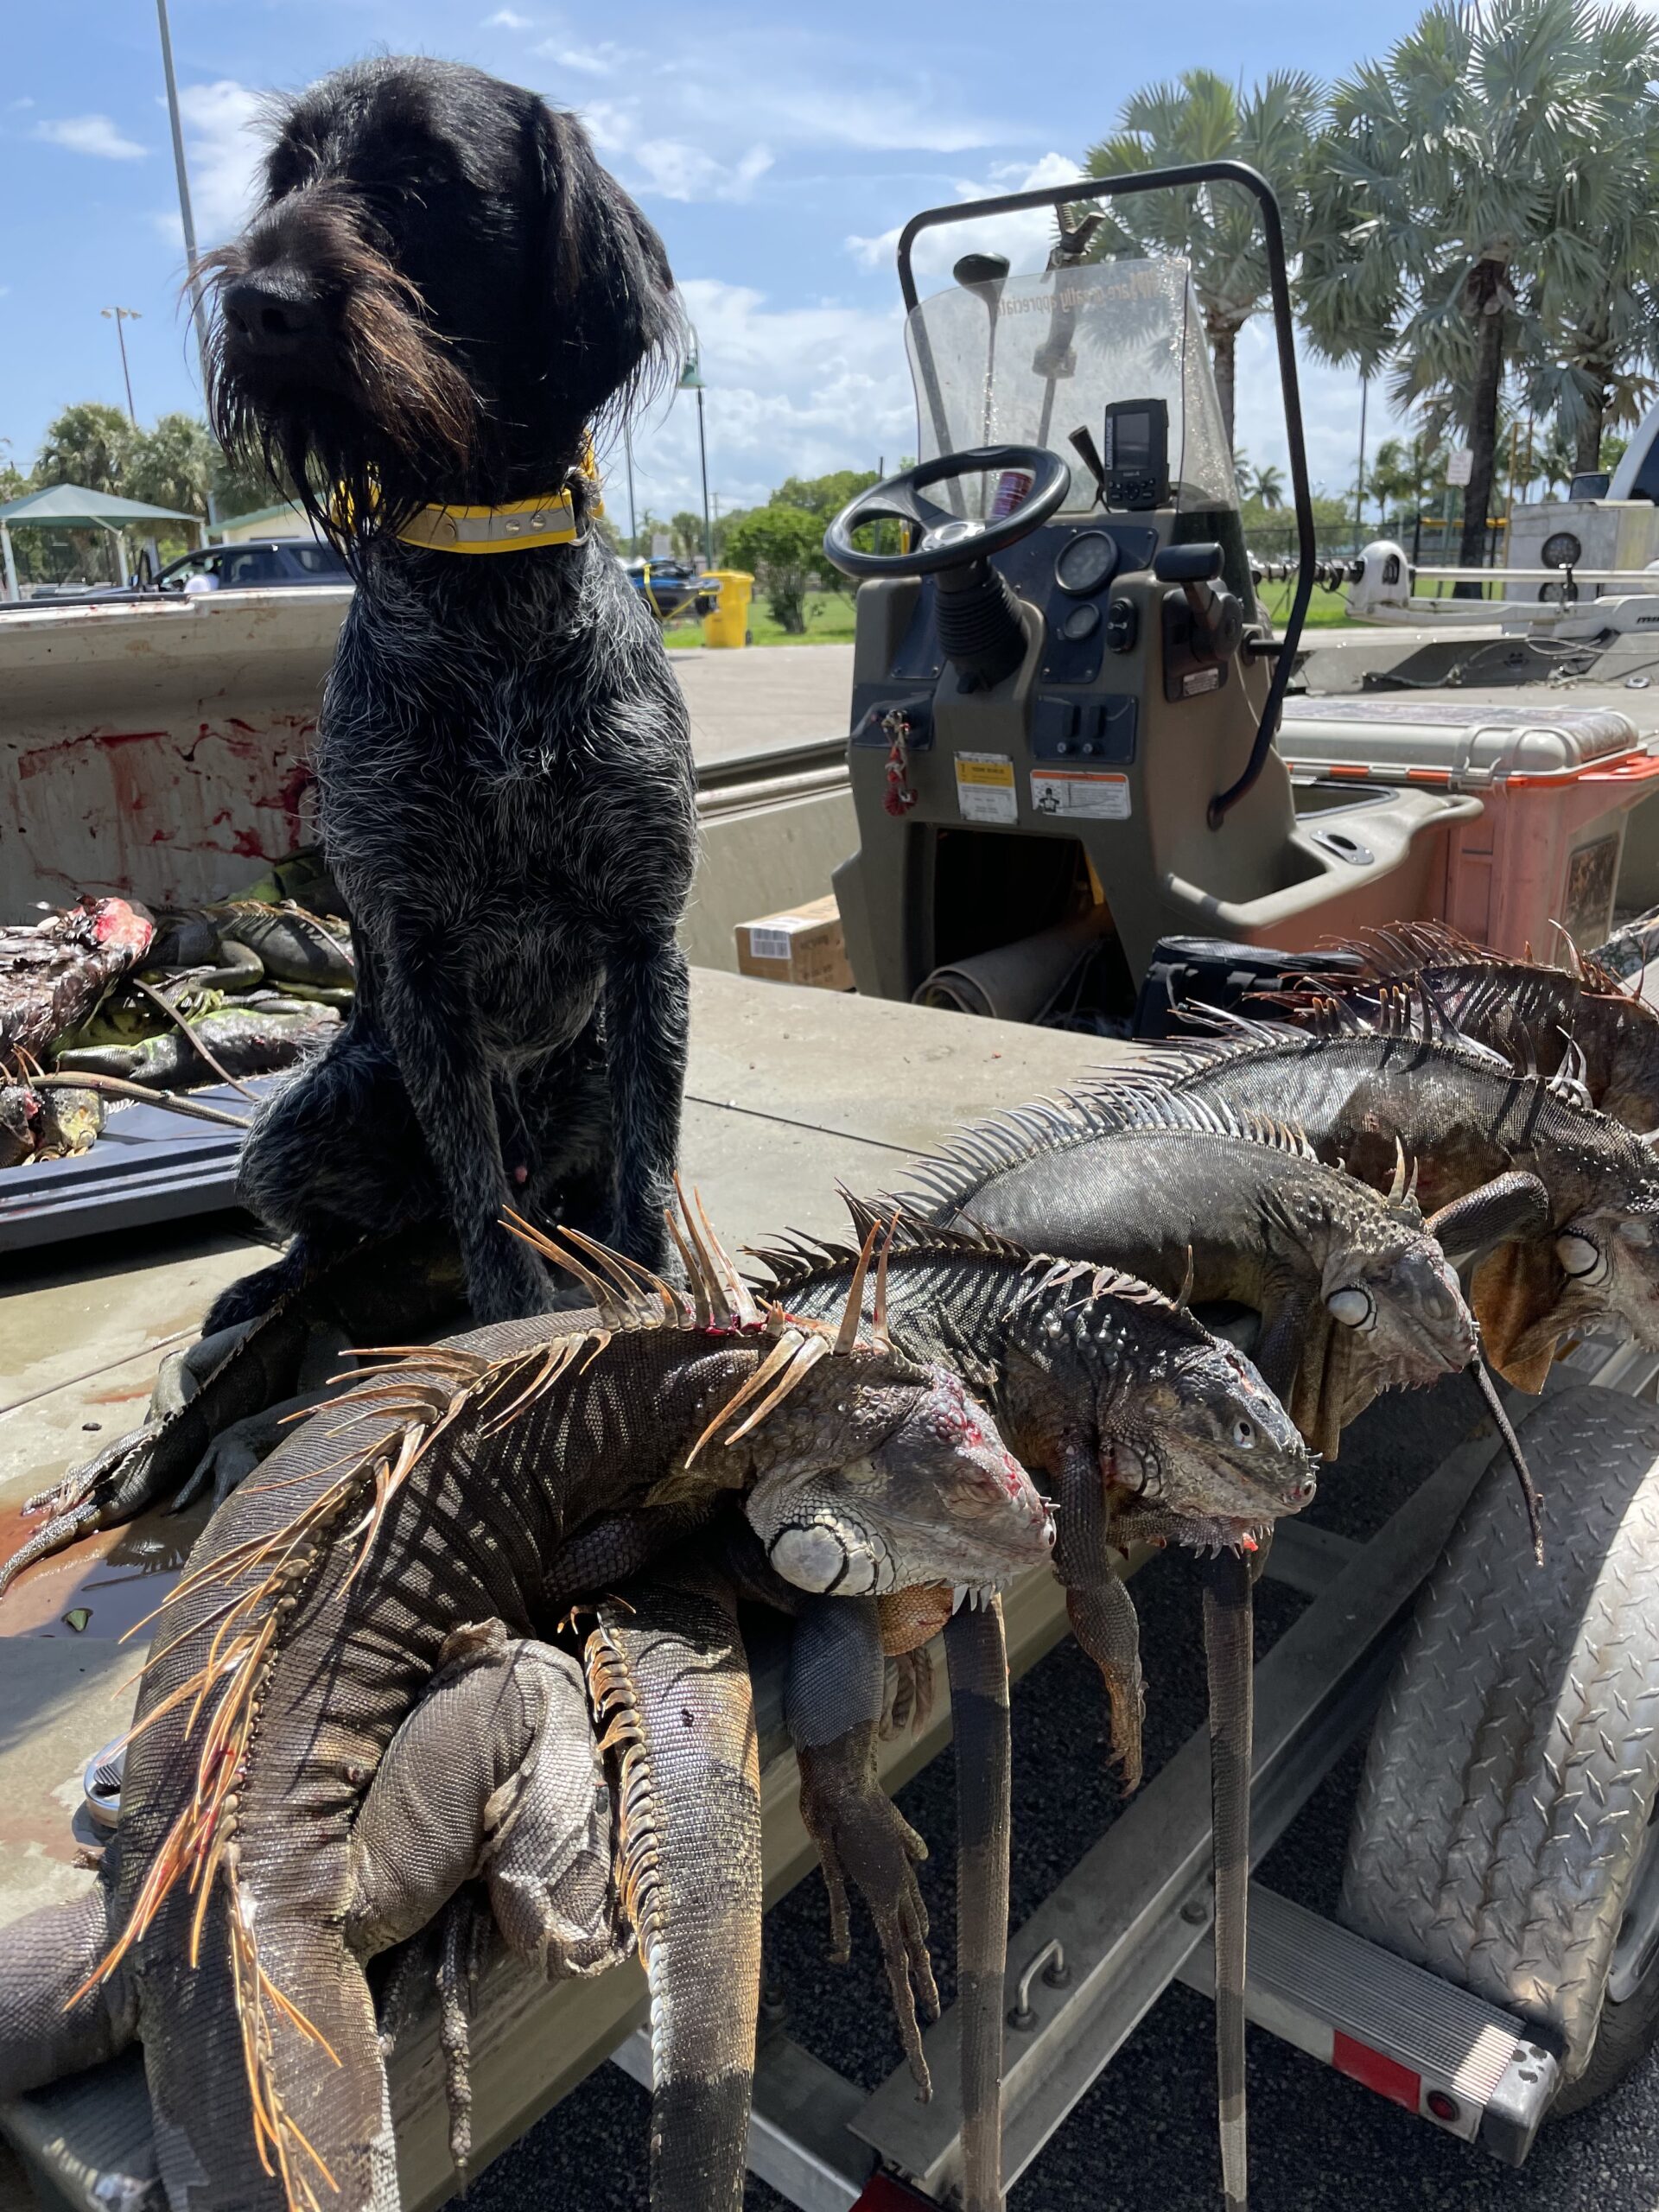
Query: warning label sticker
[1091, 793]
[985, 788]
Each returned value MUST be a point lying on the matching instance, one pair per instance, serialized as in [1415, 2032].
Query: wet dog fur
[439, 296]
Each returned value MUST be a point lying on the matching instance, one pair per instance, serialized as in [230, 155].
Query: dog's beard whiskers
[405, 422]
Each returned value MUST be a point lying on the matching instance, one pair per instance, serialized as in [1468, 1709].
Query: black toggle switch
[1122, 625]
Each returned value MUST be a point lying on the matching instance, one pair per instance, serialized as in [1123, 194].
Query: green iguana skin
[1537, 1015]
[1149, 1426]
[506, 1442]
[1354, 1295]
[1467, 1120]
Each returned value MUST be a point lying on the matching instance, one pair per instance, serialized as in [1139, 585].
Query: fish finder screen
[1135, 446]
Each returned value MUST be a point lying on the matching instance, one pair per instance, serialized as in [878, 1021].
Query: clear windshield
[1028, 359]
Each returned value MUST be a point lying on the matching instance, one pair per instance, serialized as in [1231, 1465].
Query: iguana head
[1204, 1436]
[879, 1474]
[1611, 1260]
[1385, 1285]
[1178, 1419]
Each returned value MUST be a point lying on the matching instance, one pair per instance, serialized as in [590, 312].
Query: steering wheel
[948, 541]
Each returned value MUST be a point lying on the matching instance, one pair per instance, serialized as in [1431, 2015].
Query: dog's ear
[609, 311]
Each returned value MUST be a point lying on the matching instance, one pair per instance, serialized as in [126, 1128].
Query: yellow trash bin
[729, 623]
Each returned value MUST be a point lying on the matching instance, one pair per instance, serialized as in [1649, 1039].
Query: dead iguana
[278, 1825]
[1579, 1016]
[1556, 1205]
[1354, 1295]
[1150, 1428]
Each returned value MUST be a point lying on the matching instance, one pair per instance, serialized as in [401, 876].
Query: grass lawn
[1326, 610]
[829, 622]
[829, 618]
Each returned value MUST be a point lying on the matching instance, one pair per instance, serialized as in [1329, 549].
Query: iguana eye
[1244, 1435]
[1353, 1308]
[1582, 1259]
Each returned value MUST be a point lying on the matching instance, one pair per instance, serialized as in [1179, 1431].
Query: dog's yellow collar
[510, 528]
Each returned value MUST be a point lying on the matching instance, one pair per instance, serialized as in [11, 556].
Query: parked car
[252, 563]
[671, 588]
[249, 564]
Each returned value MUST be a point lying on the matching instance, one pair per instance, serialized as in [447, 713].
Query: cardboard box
[801, 945]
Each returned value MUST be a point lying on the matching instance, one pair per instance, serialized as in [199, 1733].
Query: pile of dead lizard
[105, 1002]
[1384, 1176]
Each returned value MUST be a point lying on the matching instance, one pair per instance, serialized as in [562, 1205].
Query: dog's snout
[268, 315]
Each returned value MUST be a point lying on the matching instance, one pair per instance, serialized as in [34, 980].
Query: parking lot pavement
[1144, 2136]
[746, 701]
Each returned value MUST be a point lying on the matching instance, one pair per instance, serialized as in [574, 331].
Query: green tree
[13, 481]
[781, 546]
[1202, 117]
[686, 532]
[1446, 218]
[88, 444]
[1268, 485]
[824, 496]
[171, 465]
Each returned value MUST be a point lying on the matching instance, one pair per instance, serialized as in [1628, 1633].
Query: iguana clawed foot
[863, 1838]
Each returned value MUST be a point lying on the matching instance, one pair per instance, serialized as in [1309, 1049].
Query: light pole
[120, 315]
[1359, 488]
[691, 380]
[198, 313]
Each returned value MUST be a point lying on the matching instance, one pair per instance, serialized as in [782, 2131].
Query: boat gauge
[1087, 563]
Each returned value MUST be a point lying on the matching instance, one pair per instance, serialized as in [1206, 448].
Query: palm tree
[1597, 342]
[1202, 117]
[88, 444]
[1444, 213]
[1269, 486]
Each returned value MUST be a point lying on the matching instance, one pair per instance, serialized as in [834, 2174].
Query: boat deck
[788, 1092]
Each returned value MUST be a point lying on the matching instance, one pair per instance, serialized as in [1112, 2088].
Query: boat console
[1064, 693]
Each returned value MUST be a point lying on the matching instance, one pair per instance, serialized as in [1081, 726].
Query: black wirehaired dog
[440, 295]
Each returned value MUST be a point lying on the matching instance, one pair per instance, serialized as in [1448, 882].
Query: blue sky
[777, 151]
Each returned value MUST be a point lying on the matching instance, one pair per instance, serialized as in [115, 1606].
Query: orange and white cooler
[1557, 785]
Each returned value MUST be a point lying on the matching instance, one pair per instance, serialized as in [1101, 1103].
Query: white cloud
[13, 105]
[506, 19]
[1025, 238]
[601, 60]
[791, 391]
[671, 167]
[223, 152]
[91, 134]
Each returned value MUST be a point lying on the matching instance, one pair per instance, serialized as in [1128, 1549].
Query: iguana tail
[43, 1959]
[1228, 1660]
[673, 1681]
[977, 1658]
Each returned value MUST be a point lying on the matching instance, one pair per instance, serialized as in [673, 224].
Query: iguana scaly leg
[1228, 1661]
[669, 1676]
[976, 1655]
[48, 1956]
[1100, 1608]
[494, 1775]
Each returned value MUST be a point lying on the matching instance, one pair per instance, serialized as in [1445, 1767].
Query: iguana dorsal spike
[707, 1272]
[853, 1311]
[740, 1305]
[808, 1352]
[878, 1330]
[1397, 1187]
[701, 1311]
[1184, 1301]
[598, 1288]
[774, 1362]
